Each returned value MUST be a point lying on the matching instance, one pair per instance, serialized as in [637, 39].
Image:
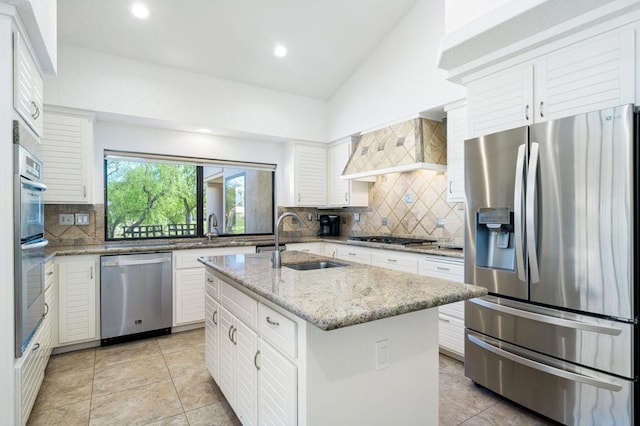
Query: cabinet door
[77, 301]
[246, 394]
[277, 388]
[501, 101]
[67, 144]
[589, 76]
[354, 254]
[189, 291]
[211, 337]
[456, 134]
[27, 85]
[341, 192]
[394, 260]
[226, 367]
[310, 176]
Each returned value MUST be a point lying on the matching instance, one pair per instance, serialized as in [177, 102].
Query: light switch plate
[384, 221]
[356, 217]
[82, 219]
[440, 223]
[66, 219]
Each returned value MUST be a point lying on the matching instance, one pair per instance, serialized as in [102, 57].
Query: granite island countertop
[338, 297]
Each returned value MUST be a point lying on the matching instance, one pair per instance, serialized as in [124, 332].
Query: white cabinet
[212, 344]
[305, 175]
[27, 85]
[189, 279]
[343, 192]
[315, 248]
[451, 316]
[395, 260]
[456, 134]
[67, 149]
[78, 305]
[238, 371]
[277, 387]
[354, 254]
[588, 76]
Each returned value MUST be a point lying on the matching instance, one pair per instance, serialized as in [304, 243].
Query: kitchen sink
[315, 265]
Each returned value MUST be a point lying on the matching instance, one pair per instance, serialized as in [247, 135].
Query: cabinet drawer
[354, 254]
[448, 269]
[455, 310]
[238, 303]
[395, 261]
[212, 286]
[278, 330]
[49, 274]
[451, 333]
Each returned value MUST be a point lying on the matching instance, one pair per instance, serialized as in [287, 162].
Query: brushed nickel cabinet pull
[255, 360]
[526, 112]
[541, 105]
[233, 335]
[274, 323]
[213, 317]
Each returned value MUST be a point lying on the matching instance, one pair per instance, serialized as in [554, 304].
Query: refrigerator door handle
[562, 322]
[517, 211]
[532, 249]
[545, 368]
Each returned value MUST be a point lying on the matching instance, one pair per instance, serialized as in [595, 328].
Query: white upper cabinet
[67, 147]
[27, 85]
[591, 75]
[343, 192]
[305, 175]
[456, 134]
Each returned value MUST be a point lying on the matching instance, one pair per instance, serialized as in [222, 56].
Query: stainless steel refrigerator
[551, 232]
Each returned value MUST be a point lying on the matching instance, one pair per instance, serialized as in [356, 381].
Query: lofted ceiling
[233, 39]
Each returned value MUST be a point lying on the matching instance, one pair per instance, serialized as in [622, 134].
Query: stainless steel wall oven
[29, 240]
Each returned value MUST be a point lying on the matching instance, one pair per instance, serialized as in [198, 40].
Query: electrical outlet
[440, 223]
[356, 217]
[66, 219]
[309, 217]
[384, 221]
[82, 219]
[382, 354]
[408, 198]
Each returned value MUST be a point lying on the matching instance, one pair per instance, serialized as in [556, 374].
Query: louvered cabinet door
[246, 343]
[589, 76]
[338, 189]
[310, 176]
[277, 388]
[27, 85]
[456, 135]
[67, 146]
[227, 361]
[189, 295]
[77, 300]
[211, 337]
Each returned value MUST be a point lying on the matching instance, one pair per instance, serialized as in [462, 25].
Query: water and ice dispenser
[495, 242]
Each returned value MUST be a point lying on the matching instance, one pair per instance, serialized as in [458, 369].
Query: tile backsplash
[59, 235]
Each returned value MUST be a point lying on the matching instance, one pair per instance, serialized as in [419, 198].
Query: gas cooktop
[394, 240]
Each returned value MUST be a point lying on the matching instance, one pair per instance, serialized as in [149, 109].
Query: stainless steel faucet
[275, 259]
[212, 226]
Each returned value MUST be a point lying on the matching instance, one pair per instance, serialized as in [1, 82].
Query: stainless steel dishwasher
[135, 296]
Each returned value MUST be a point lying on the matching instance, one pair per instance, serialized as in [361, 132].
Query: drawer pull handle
[352, 254]
[274, 323]
[255, 360]
[209, 280]
[46, 309]
[36, 113]
[233, 335]
[444, 320]
[213, 317]
[229, 333]
[36, 347]
[442, 268]
[50, 273]
[392, 260]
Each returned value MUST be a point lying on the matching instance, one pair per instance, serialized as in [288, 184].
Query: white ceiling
[233, 39]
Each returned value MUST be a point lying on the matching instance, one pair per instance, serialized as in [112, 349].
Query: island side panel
[344, 387]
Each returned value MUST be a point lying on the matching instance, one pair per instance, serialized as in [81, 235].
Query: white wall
[459, 13]
[399, 79]
[95, 81]
[124, 137]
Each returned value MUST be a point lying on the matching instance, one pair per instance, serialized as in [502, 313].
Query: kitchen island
[353, 344]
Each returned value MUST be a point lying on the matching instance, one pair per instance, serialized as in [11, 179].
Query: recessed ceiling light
[280, 51]
[140, 11]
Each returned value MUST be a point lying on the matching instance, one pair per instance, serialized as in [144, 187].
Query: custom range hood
[416, 144]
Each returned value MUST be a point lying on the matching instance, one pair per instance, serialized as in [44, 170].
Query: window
[153, 196]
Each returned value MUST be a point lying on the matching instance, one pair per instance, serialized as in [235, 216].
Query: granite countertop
[124, 247]
[338, 297]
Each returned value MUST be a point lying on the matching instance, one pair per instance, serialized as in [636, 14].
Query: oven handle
[37, 185]
[32, 246]
[545, 368]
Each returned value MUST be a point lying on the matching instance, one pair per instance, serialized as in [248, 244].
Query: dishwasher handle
[136, 262]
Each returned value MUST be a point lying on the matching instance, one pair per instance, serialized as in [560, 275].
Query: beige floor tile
[72, 414]
[216, 414]
[116, 354]
[197, 390]
[504, 413]
[179, 420]
[461, 391]
[129, 375]
[137, 406]
[451, 413]
[181, 341]
[72, 361]
[64, 389]
[186, 362]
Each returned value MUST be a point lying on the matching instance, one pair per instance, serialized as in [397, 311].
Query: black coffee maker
[329, 225]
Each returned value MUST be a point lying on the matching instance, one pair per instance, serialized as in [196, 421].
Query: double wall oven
[29, 240]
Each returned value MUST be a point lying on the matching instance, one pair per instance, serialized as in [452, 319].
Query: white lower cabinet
[277, 387]
[354, 254]
[395, 260]
[212, 343]
[450, 317]
[79, 312]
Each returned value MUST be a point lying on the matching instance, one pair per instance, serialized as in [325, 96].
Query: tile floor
[163, 381]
